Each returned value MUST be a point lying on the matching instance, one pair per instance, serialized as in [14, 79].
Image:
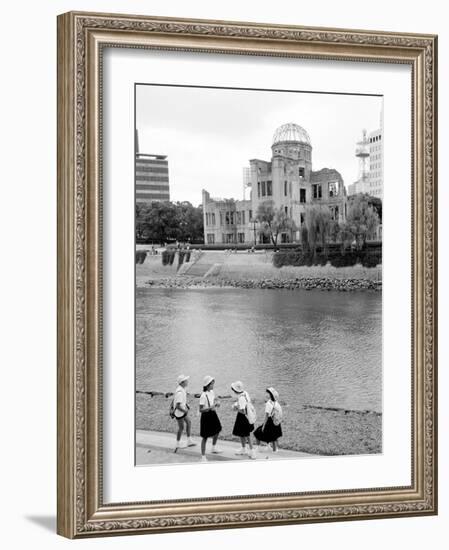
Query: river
[316, 348]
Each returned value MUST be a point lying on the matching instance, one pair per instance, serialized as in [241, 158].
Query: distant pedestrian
[210, 425]
[245, 419]
[180, 411]
[271, 430]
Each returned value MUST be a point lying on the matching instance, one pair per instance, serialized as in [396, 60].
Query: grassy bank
[308, 429]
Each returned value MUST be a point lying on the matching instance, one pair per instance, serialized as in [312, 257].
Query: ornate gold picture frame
[82, 40]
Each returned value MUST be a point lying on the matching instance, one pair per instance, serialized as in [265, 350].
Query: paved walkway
[158, 448]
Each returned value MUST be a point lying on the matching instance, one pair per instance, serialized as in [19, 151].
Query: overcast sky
[209, 135]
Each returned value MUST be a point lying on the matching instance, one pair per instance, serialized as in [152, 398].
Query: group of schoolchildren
[210, 426]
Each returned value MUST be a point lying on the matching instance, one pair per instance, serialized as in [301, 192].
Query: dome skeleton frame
[291, 132]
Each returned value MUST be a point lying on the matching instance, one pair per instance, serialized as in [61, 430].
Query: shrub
[181, 255]
[348, 259]
[338, 257]
[371, 258]
[165, 257]
[140, 256]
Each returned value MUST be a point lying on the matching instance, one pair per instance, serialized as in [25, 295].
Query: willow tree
[362, 218]
[318, 222]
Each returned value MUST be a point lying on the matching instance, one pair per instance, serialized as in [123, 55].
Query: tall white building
[376, 164]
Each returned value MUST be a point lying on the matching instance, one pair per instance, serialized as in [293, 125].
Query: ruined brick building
[287, 181]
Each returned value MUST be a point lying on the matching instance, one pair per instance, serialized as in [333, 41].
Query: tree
[273, 221]
[166, 221]
[318, 222]
[190, 222]
[345, 236]
[362, 218]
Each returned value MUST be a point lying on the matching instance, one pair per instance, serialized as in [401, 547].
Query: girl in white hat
[181, 412]
[210, 425]
[243, 425]
[270, 431]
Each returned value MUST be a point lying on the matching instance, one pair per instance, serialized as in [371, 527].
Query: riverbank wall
[253, 270]
[343, 285]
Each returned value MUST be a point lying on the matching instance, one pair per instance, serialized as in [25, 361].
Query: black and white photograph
[258, 274]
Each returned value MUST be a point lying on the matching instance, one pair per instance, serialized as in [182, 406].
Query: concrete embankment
[306, 428]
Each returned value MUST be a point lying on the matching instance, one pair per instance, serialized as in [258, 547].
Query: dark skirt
[242, 427]
[270, 433]
[210, 424]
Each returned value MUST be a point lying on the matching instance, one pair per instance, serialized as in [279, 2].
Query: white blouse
[207, 398]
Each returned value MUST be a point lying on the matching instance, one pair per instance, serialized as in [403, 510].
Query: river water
[316, 348]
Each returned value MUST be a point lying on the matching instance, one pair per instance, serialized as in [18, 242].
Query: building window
[221, 218]
[263, 189]
[241, 237]
[250, 215]
[243, 217]
[317, 191]
[210, 238]
[227, 218]
[229, 238]
[301, 218]
[286, 210]
[213, 218]
[301, 172]
[285, 188]
[269, 189]
[333, 189]
[302, 195]
[258, 189]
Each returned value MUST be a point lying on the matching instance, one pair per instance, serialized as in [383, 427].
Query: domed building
[287, 182]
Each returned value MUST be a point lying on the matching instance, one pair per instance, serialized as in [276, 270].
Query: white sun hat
[207, 380]
[237, 386]
[273, 393]
[182, 378]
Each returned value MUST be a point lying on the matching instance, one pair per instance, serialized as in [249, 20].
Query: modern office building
[151, 176]
[152, 182]
[287, 182]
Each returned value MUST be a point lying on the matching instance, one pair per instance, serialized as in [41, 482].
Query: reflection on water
[317, 348]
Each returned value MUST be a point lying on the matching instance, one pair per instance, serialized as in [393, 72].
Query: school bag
[251, 414]
[171, 409]
[276, 414]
